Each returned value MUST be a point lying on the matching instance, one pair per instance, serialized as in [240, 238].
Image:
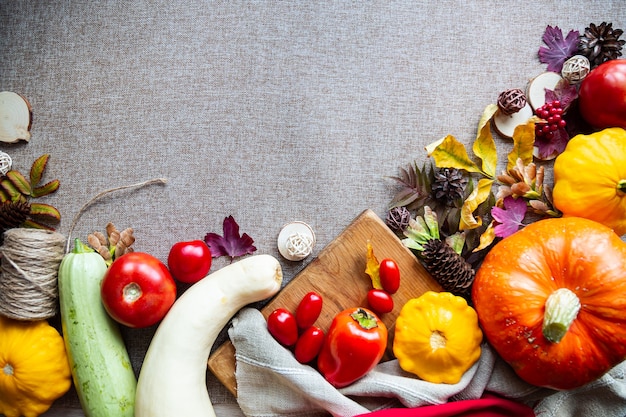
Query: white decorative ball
[576, 69]
[5, 163]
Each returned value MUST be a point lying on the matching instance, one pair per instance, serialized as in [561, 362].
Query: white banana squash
[172, 381]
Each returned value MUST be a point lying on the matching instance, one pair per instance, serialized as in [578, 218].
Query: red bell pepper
[355, 343]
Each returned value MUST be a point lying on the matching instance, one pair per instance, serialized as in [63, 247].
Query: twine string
[299, 244]
[103, 194]
[28, 278]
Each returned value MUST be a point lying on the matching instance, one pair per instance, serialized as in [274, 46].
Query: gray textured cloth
[269, 111]
[271, 382]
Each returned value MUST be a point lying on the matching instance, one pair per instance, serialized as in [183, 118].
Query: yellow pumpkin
[437, 337]
[34, 369]
[590, 178]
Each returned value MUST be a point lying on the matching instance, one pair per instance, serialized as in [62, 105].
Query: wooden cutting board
[338, 274]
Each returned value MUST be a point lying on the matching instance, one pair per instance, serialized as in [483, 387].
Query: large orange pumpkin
[551, 300]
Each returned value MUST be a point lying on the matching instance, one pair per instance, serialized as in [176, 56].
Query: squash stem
[621, 186]
[561, 309]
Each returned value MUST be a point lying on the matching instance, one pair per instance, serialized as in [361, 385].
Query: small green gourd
[101, 369]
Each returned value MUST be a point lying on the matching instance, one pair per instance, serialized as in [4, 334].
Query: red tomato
[389, 273]
[309, 310]
[282, 325]
[309, 344]
[602, 95]
[138, 290]
[189, 261]
[380, 301]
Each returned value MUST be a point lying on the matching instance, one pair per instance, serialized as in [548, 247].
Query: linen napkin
[270, 382]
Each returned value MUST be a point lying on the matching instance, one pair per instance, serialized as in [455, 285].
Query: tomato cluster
[298, 331]
[379, 299]
[138, 289]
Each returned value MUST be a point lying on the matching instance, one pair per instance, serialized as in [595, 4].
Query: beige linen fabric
[267, 111]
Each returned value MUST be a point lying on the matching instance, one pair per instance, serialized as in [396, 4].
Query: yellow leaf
[485, 148]
[487, 115]
[523, 144]
[487, 237]
[432, 146]
[479, 195]
[451, 153]
[372, 267]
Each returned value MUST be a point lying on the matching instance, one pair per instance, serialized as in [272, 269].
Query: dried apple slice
[15, 117]
[536, 91]
[505, 124]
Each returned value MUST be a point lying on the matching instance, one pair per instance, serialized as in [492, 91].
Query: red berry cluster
[552, 115]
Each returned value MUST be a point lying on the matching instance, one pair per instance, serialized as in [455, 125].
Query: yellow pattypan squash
[34, 368]
[437, 337]
[590, 178]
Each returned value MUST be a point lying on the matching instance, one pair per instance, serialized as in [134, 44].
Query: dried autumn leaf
[479, 195]
[231, 244]
[523, 143]
[486, 238]
[509, 217]
[19, 181]
[451, 153]
[37, 169]
[558, 48]
[372, 267]
[487, 115]
[484, 147]
[47, 188]
[45, 210]
[11, 191]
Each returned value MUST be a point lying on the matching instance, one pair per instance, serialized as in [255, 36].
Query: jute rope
[28, 273]
[30, 260]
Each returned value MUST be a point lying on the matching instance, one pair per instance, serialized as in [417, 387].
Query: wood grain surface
[338, 274]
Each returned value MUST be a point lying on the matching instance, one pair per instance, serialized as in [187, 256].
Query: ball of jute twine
[28, 273]
[30, 260]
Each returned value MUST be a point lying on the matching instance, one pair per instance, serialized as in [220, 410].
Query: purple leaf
[231, 244]
[510, 217]
[558, 49]
[550, 148]
[564, 92]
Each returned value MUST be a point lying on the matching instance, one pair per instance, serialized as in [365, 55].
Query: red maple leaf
[232, 244]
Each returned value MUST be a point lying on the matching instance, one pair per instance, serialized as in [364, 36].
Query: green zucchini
[101, 369]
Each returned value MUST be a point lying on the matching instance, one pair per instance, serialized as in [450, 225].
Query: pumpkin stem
[561, 309]
[621, 186]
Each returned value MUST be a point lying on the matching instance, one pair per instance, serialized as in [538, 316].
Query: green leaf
[45, 211]
[33, 224]
[46, 189]
[523, 144]
[37, 169]
[485, 148]
[19, 181]
[11, 191]
[478, 196]
[451, 153]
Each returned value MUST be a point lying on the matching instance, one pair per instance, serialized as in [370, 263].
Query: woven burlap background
[266, 111]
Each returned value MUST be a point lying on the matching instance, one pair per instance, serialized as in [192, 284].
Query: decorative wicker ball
[576, 69]
[511, 101]
[5, 163]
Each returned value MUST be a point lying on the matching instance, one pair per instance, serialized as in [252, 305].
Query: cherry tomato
[189, 261]
[309, 344]
[137, 290]
[380, 301]
[602, 95]
[309, 310]
[282, 325]
[389, 275]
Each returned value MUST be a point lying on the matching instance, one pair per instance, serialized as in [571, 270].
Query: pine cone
[13, 214]
[601, 43]
[449, 185]
[448, 268]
